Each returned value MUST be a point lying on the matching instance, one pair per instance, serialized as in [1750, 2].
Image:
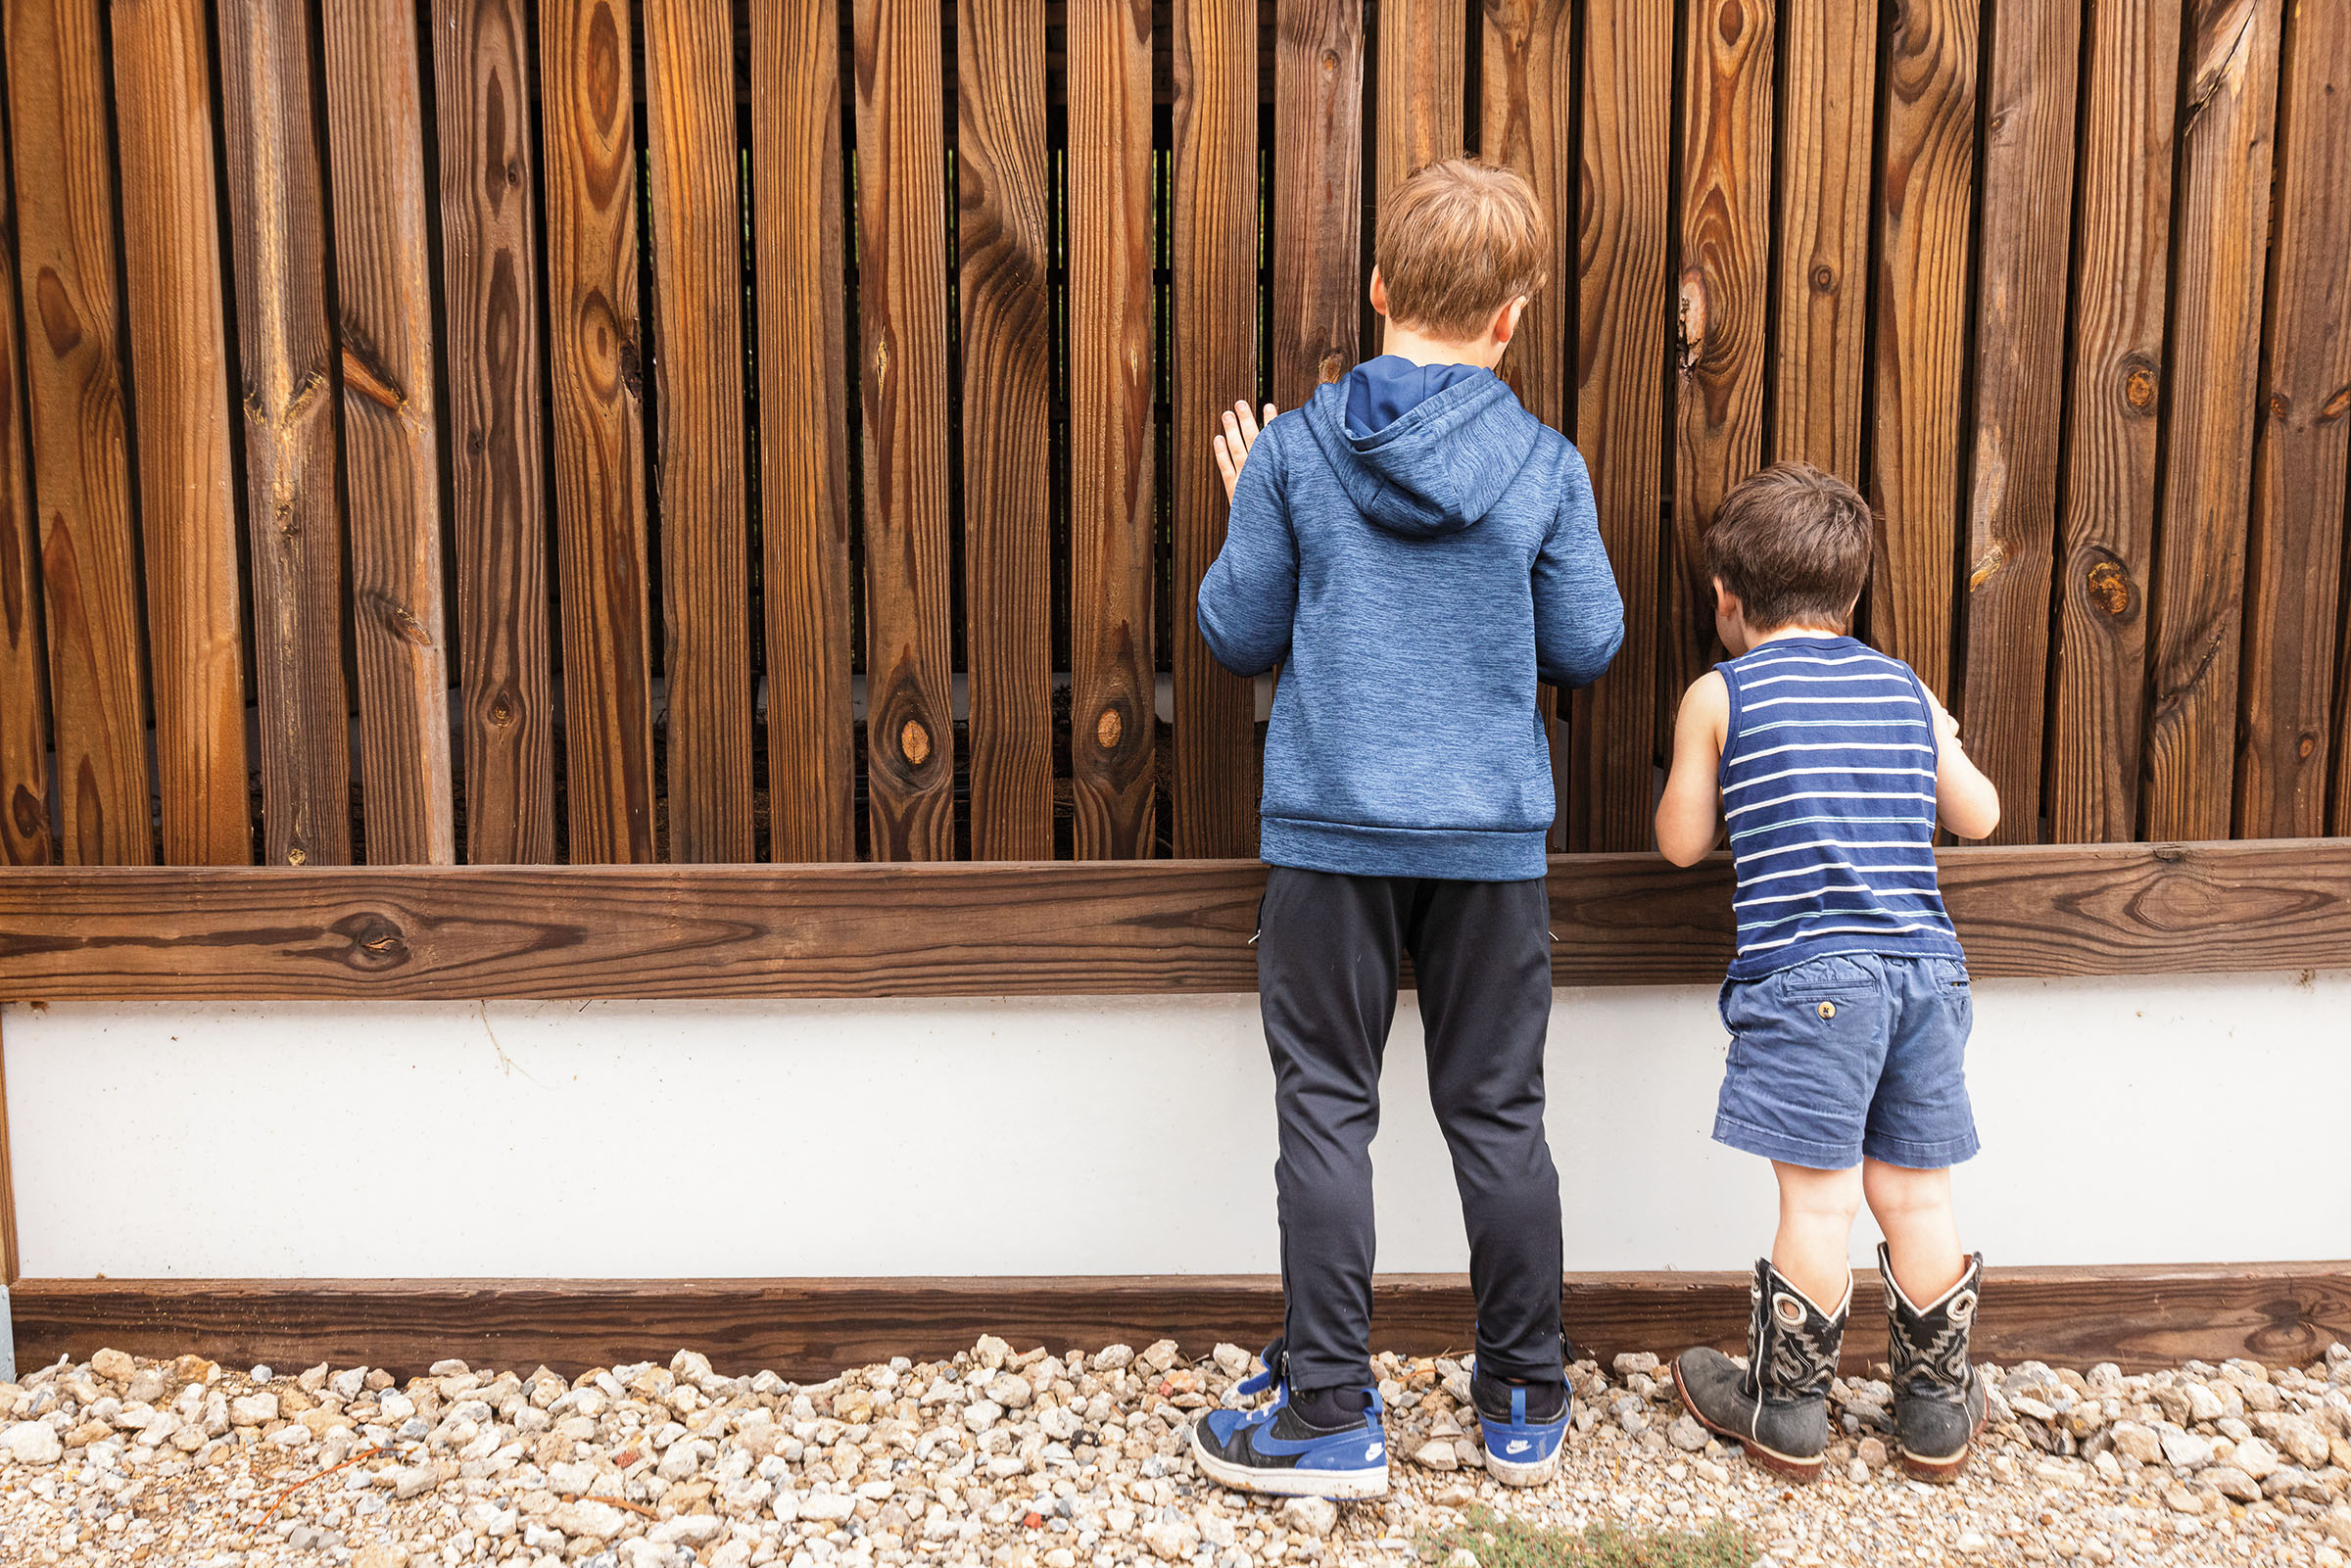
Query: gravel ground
[1025, 1459]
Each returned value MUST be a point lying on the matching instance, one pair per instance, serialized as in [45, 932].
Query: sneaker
[1521, 1450]
[1271, 1449]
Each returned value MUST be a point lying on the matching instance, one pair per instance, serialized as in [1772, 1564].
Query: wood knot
[1108, 728]
[2138, 388]
[2109, 589]
[1824, 278]
[2306, 746]
[915, 741]
[1330, 61]
[2335, 406]
[297, 856]
[1731, 20]
[502, 711]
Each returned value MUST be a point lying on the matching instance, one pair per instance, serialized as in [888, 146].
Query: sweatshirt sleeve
[1250, 595]
[1579, 616]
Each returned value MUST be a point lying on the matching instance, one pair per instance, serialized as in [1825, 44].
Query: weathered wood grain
[1421, 45]
[1830, 71]
[481, 64]
[1625, 243]
[2019, 401]
[1212, 294]
[179, 370]
[1725, 243]
[2221, 245]
[595, 384]
[287, 355]
[1317, 209]
[697, 222]
[902, 385]
[2295, 540]
[1925, 207]
[1111, 508]
[390, 427]
[804, 427]
[27, 830]
[2122, 238]
[64, 226]
[1005, 197]
[1068, 928]
[2137, 1317]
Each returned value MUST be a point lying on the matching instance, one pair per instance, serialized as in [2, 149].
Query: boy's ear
[1505, 319]
[1379, 292]
[1726, 602]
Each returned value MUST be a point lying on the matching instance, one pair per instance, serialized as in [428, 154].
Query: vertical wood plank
[1726, 224]
[2019, 401]
[1527, 86]
[481, 55]
[1214, 296]
[1925, 207]
[1421, 66]
[1004, 194]
[696, 210]
[2222, 214]
[81, 482]
[286, 347]
[179, 368]
[2296, 542]
[1111, 696]
[1623, 242]
[595, 376]
[2122, 236]
[803, 434]
[391, 428]
[902, 333]
[27, 835]
[1317, 205]
[1822, 290]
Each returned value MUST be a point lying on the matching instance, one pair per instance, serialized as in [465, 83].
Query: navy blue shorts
[1851, 1055]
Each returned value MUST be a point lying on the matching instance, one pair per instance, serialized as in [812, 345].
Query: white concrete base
[2125, 1120]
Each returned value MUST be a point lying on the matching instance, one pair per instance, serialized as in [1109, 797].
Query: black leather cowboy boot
[1939, 1401]
[1777, 1407]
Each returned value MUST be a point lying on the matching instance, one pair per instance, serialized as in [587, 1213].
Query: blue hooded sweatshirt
[1416, 550]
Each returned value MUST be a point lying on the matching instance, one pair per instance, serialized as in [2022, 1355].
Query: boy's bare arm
[1689, 816]
[1968, 803]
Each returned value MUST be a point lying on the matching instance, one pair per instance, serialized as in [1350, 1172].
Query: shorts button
[1828, 1010]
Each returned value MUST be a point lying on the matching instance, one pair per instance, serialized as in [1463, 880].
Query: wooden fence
[607, 432]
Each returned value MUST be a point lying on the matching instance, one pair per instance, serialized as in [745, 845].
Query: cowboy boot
[1939, 1401]
[1777, 1406]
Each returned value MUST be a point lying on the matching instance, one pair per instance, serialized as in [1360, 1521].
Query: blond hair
[1458, 241]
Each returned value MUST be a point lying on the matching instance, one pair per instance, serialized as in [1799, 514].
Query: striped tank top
[1828, 786]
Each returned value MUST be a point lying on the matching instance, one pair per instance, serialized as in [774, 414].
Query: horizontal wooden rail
[2138, 1316]
[1047, 929]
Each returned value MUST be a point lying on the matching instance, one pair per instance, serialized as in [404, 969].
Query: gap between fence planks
[1082, 928]
[481, 61]
[65, 267]
[179, 371]
[1623, 245]
[1112, 712]
[1005, 197]
[391, 428]
[2138, 1316]
[804, 427]
[902, 332]
[596, 379]
[2122, 237]
[696, 215]
[1213, 296]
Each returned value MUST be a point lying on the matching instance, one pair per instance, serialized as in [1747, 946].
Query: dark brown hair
[1457, 242]
[1795, 545]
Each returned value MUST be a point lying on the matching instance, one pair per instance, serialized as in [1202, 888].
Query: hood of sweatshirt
[1437, 467]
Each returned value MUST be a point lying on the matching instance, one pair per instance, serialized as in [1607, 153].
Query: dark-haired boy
[1847, 1001]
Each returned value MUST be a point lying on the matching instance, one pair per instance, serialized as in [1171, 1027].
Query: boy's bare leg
[1812, 1249]
[1913, 1207]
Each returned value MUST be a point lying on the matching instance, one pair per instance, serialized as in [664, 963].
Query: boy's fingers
[1268, 413]
[1225, 460]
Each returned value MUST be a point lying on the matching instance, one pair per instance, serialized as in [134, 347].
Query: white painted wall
[2195, 1118]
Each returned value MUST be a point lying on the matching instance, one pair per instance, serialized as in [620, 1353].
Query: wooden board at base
[2140, 1317]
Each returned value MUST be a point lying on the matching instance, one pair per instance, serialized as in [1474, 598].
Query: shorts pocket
[1825, 980]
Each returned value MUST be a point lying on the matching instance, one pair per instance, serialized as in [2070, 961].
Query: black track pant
[1326, 957]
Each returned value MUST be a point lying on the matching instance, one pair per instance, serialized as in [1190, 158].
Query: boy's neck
[1420, 349]
[1782, 634]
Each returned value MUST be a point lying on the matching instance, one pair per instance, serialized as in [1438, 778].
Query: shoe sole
[1793, 1466]
[1340, 1486]
[1943, 1470]
[1532, 1474]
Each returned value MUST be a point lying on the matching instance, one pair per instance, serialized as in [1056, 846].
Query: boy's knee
[1821, 1194]
[1895, 1190]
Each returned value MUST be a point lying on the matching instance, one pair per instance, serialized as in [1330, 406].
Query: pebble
[1436, 1455]
[1317, 1516]
[1686, 1434]
[33, 1443]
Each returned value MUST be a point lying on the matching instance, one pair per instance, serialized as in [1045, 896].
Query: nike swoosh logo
[1519, 1445]
[1371, 1452]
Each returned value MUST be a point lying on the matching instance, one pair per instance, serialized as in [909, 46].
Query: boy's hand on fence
[1240, 433]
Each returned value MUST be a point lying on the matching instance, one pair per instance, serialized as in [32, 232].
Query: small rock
[1316, 1516]
[32, 1442]
[1628, 1362]
[1871, 1452]
[1462, 1558]
[1857, 1472]
[411, 1479]
[1231, 1360]
[252, 1410]
[1686, 1434]
[2136, 1441]
[2338, 1522]
[2257, 1458]
[114, 1366]
[1436, 1455]
[1973, 1543]
[1112, 1357]
[587, 1518]
[2231, 1483]
[2184, 1450]
[1161, 1355]
[693, 1531]
[992, 1351]
[1457, 1494]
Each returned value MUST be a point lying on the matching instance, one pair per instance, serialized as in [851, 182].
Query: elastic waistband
[1457, 854]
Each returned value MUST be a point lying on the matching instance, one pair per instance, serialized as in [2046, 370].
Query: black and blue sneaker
[1275, 1449]
[1524, 1425]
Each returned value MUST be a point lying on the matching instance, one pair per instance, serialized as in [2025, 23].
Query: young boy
[1847, 1000]
[1416, 551]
